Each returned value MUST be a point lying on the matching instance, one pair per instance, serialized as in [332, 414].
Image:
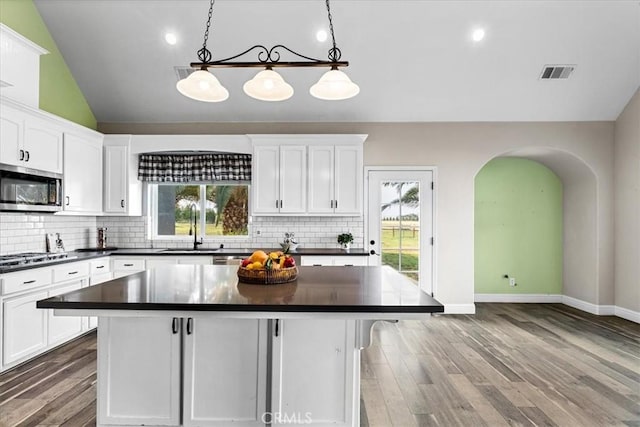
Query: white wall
[627, 206]
[459, 150]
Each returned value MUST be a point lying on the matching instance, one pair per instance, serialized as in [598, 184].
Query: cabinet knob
[372, 242]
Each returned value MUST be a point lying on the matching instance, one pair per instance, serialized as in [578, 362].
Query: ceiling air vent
[183, 72]
[554, 72]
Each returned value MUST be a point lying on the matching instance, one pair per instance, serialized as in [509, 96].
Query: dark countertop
[216, 288]
[75, 256]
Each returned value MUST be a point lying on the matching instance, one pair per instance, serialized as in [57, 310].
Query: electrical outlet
[512, 281]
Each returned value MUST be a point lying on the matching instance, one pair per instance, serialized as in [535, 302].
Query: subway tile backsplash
[21, 232]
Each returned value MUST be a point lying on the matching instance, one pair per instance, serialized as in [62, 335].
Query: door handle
[336, 204]
[189, 326]
[277, 329]
[175, 325]
[26, 159]
[21, 154]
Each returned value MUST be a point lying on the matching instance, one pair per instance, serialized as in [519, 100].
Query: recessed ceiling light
[478, 34]
[321, 36]
[171, 38]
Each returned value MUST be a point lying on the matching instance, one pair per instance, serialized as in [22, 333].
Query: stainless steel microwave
[29, 190]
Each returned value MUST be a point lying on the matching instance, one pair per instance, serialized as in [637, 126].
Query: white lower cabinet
[314, 362]
[61, 328]
[24, 327]
[138, 371]
[225, 372]
[226, 377]
[339, 260]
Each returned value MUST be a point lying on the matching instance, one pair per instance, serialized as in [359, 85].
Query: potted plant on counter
[345, 240]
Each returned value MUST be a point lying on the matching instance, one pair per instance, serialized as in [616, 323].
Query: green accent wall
[59, 92]
[518, 228]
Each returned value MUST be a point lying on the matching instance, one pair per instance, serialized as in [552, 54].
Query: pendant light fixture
[267, 85]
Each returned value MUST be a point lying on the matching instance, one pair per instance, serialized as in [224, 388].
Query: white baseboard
[527, 298]
[600, 310]
[625, 313]
[460, 309]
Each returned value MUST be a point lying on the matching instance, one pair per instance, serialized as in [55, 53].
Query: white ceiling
[414, 60]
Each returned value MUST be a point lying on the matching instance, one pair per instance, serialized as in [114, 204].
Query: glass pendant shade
[203, 86]
[334, 85]
[268, 85]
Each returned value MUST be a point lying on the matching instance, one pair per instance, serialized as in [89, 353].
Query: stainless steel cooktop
[32, 258]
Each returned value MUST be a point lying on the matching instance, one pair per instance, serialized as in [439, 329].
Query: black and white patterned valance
[194, 167]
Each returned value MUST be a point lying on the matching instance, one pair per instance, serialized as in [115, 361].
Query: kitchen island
[189, 345]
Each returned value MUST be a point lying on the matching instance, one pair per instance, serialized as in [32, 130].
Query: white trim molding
[519, 298]
[600, 310]
[625, 313]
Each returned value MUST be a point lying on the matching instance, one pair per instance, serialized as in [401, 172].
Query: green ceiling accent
[518, 228]
[59, 92]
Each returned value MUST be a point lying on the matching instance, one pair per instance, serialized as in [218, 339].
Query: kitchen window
[219, 210]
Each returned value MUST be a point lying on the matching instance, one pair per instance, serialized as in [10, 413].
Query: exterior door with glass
[400, 222]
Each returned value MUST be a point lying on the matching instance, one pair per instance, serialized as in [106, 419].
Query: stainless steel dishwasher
[227, 259]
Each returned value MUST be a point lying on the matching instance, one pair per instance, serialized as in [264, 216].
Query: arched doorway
[582, 259]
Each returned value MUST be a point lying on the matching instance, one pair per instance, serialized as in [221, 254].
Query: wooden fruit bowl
[267, 277]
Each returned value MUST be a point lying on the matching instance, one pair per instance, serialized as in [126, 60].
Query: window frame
[152, 211]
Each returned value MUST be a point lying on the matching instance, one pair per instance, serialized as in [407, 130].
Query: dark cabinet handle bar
[21, 154]
[175, 326]
[122, 203]
[189, 325]
[72, 272]
[68, 200]
[336, 204]
[100, 266]
[26, 159]
[128, 265]
[277, 327]
[28, 281]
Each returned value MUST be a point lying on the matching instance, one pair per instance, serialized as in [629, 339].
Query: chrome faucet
[193, 214]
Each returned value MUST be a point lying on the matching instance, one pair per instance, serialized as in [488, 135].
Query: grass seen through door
[391, 245]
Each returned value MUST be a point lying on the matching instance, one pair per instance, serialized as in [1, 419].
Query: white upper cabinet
[279, 179]
[307, 174]
[28, 141]
[42, 145]
[122, 190]
[348, 185]
[82, 173]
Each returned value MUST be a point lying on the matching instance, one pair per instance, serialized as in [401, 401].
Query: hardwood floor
[510, 364]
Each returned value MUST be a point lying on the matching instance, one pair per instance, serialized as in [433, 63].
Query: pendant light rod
[268, 57]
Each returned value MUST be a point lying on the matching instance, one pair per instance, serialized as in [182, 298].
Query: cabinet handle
[280, 204]
[72, 273]
[336, 204]
[277, 327]
[332, 204]
[128, 265]
[175, 326]
[26, 159]
[100, 266]
[21, 154]
[277, 204]
[317, 265]
[122, 203]
[189, 326]
[28, 281]
[68, 200]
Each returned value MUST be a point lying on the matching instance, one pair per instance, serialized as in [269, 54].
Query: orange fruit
[260, 256]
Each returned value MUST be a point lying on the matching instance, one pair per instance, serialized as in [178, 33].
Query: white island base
[205, 370]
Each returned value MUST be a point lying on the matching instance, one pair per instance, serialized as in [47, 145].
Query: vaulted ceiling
[415, 61]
